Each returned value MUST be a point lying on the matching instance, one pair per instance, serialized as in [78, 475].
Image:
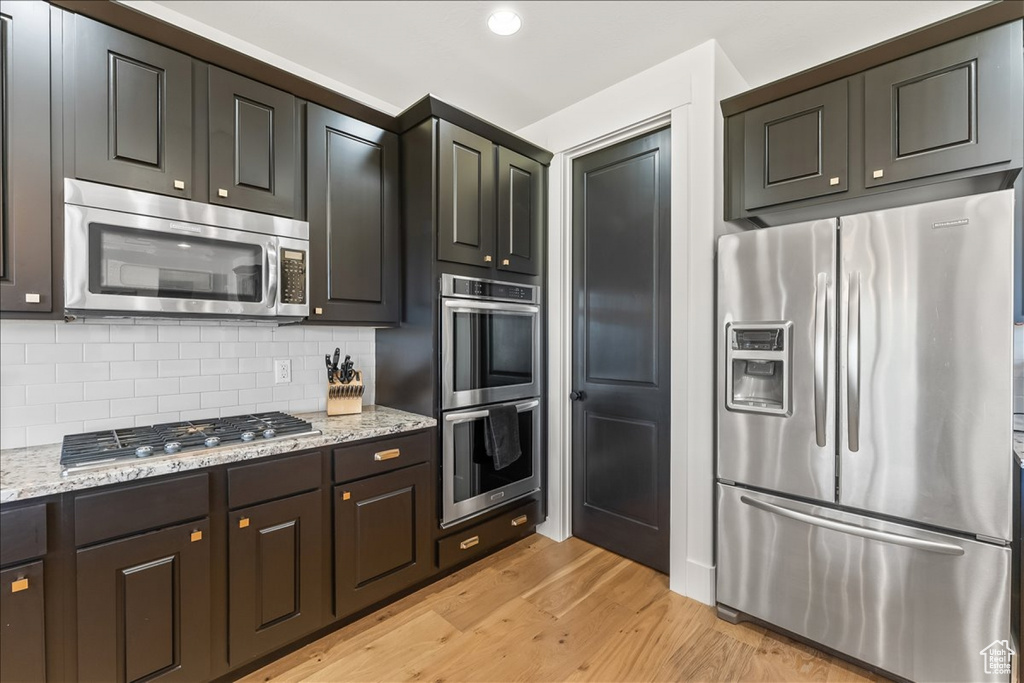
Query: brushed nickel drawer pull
[387, 455]
[469, 543]
[19, 585]
[520, 520]
[243, 522]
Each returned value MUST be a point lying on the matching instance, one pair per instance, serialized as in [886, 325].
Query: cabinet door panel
[144, 607]
[382, 536]
[133, 111]
[796, 148]
[252, 145]
[25, 237]
[520, 212]
[466, 219]
[275, 574]
[352, 207]
[946, 109]
[22, 631]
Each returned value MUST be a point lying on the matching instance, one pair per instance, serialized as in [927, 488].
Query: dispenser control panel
[758, 368]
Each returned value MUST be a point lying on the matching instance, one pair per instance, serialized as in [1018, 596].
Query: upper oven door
[116, 261]
[490, 352]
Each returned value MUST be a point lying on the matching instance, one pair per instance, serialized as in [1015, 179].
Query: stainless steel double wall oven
[490, 355]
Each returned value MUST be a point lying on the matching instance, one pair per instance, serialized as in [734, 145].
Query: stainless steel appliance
[129, 253]
[490, 341]
[470, 483]
[81, 452]
[865, 482]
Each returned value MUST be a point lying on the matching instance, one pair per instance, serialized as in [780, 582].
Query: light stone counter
[35, 471]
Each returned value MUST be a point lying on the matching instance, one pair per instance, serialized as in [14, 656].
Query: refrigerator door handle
[854, 530]
[853, 365]
[820, 358]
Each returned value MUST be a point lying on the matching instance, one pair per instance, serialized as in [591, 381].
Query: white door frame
[560, 316]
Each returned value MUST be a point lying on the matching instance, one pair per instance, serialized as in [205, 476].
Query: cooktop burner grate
[175, 437]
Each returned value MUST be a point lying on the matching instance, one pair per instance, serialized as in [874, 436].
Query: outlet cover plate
[283, 371]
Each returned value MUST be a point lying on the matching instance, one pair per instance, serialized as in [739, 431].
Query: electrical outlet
[282, 371]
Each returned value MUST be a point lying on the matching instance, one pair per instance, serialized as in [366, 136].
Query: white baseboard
[697, 581]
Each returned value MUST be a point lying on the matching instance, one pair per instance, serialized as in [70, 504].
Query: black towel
[501, 435]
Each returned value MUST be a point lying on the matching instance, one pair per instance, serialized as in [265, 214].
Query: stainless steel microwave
[136, 254]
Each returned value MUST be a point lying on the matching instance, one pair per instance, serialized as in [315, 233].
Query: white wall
[684, 90]
[58, 378]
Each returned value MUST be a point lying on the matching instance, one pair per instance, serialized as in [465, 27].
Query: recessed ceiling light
[504, 22]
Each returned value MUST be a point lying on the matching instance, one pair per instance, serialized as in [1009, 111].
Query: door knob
[577, 396]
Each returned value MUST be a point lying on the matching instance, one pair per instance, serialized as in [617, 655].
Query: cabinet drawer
[264, 481]
[22, 534]
[101, 516]
[477, 540]
[364, 460]
[22, 631]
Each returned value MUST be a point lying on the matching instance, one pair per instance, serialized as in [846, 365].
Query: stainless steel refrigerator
[865, 468]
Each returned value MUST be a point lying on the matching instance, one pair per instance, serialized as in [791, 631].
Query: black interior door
[620, 416]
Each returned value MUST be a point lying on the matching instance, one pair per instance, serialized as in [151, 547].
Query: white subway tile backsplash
[66, 392]
[83, 410]
[58, 378]
[118, 388]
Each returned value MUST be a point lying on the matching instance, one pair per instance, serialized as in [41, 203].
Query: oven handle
[463, 306]
[456, 418]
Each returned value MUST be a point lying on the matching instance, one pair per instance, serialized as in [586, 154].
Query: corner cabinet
[354, 222]
[25, 231]
[132, 109]
[252, 145]
[144, 607]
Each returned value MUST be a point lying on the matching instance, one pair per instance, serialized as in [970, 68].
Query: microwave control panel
[293, 276]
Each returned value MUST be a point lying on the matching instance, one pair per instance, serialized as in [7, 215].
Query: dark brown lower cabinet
[381, 536]
[274, 574]
[144, 607]
[22, 633]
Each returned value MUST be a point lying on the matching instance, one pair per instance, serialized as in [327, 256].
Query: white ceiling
[399, 51]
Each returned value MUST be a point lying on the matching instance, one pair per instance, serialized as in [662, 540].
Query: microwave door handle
[457, 418]
[271, 269]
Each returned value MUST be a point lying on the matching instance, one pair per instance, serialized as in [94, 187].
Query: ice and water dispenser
[758, 372]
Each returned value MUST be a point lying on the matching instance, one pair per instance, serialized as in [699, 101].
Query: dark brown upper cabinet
[796, 148]
[144, 607]
[466, 218]
[132, 110]
[275, 576]
[252, 144]
[381, 536]
[945, 109]
[353, 213]
[25, 264]
[520, 212]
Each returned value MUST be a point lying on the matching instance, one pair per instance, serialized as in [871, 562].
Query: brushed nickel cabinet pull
[196, 536]
[833, 181]
[469, 543]
[19, 585]
[504, 262]
[318, 311]
[32, 298]
[520, 520]
[222, 192]
[387, 455]
[179, 184]
[243, 522]
[878, 174]
[345, 495]
[488, 259]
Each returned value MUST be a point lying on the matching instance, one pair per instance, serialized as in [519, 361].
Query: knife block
[345, 399]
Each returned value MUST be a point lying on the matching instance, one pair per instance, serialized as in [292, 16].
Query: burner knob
[248, 436]
[269, 433]
[212, 441]
[143, 451]
[172, 447]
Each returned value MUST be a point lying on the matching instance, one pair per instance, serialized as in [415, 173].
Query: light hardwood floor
[546, 611]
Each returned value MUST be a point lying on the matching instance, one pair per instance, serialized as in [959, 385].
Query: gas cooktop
[115, 446]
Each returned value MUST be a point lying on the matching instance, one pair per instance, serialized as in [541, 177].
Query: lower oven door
[470, 483]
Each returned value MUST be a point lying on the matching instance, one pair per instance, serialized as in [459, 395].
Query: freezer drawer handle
[820, 358]
[853, 365]
[853, 530]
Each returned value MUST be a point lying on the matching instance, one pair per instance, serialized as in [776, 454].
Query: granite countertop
[35, 471]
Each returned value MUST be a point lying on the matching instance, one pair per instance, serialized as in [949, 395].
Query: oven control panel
[487, 289]
[293, 276]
